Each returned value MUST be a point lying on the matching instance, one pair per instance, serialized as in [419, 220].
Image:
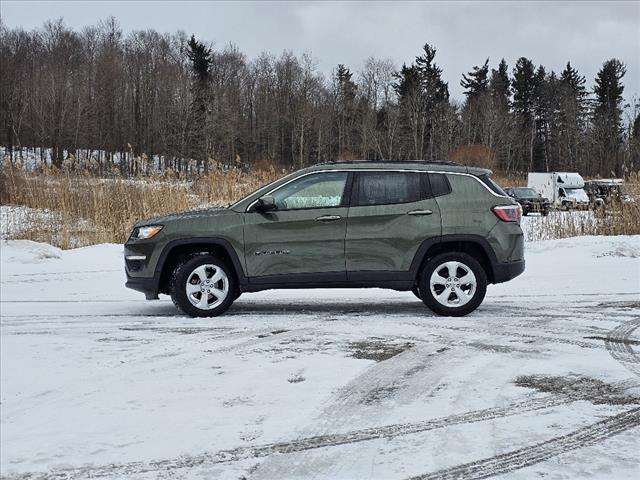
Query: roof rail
[421, 162]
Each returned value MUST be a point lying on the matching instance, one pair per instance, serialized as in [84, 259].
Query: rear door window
[387, 188]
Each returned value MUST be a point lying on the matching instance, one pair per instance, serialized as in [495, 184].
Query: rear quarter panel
[467, 210]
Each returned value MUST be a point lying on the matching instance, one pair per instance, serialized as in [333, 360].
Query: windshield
[525, 192]
[576, 193]
[263, 188]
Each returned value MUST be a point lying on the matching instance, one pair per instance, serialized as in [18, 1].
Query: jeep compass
[441, 230]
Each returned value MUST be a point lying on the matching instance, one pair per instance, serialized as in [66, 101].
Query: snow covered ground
[542, 381]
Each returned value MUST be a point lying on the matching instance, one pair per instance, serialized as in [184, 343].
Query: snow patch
[27, 251]
[631, 250]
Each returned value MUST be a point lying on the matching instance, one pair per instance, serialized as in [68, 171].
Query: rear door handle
[420, 212]
[328, 218]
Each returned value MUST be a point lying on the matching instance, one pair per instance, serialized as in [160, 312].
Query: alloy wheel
[453, 284]
[207, 286]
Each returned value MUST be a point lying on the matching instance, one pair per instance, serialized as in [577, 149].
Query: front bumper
[140, 259]
[503, 272]
[148, 286]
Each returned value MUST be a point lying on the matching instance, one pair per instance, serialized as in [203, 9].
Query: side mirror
[266, 204]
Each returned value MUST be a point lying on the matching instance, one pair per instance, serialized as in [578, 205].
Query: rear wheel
[203, 286]
[453, 284]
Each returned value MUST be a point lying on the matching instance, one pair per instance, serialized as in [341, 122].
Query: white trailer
[563, 189]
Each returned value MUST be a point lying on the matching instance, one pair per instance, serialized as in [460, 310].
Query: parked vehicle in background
[604, 191]
[565, 190]
[530, 200]
[439, 229]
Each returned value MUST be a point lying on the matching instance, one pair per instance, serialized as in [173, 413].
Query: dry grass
[72, 210]
[511, 180]
[618, 219]
[78, 210]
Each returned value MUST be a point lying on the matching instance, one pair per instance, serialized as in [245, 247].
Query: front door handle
[420, 212]
[328, 218]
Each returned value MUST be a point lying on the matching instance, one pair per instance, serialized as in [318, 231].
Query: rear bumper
[148, 286]
[503, 272]
[536, 207]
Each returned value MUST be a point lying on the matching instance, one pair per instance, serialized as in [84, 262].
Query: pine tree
[543, 100]
[524, 85]
[501, 138]
[607, 119]
[572, 119]
[408, 88]
[547, 119]
[345, 105]
[434, 88]
[422, 96]
[500, 85]
[201, 60]
[475, 110]
[433, 98]
[634, 142]
[476, 82]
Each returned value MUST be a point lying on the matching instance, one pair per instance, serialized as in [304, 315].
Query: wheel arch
[475, 245]
[176, 251]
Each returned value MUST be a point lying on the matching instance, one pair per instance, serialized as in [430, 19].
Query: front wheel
[453, 284]
[203, 286]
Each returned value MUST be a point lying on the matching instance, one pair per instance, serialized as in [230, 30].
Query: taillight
[508, 213]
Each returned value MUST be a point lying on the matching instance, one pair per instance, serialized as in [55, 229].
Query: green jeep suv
[439, 229]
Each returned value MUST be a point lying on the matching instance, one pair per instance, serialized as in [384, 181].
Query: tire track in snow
[527, 456]
[402, 378]
[527, 336]
[619, 347]
[302, 444]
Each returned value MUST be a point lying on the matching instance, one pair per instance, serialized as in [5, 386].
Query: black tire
[184, 271]
[416, 291]
[545, 213]
[437, 263]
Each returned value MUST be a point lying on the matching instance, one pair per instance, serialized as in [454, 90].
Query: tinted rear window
[384, 188]
[493, 186]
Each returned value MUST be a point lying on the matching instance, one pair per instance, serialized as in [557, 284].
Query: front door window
[320, 190]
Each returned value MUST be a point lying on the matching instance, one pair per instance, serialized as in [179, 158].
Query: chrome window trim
[333, 170]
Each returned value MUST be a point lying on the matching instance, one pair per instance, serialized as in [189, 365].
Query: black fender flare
[424, 247]
[213, 241]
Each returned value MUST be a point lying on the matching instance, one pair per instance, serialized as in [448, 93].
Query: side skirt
[402, 281]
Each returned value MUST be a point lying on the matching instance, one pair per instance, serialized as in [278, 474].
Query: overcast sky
[464, 33]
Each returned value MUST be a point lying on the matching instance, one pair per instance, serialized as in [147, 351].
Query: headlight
[143, 233]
